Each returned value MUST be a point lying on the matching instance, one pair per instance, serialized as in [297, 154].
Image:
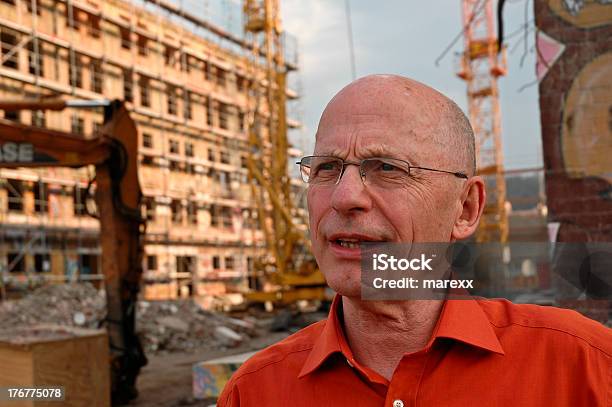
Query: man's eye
[388, 167]
[325, 170]
[327, 166]
[382, 166]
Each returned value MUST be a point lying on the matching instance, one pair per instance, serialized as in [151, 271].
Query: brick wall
[575, 71]
[574, 68]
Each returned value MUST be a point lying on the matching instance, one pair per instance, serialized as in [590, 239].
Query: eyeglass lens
[373, 171]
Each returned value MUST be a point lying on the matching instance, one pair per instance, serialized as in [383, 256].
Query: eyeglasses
[378, 171]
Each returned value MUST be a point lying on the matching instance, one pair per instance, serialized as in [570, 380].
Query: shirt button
[398, 403]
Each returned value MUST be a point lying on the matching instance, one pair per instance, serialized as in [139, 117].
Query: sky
[406, 37]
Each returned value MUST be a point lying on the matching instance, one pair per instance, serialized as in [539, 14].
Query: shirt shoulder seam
[272, 362]
[557, 330]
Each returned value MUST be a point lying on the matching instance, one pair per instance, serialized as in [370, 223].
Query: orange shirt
[481, 353]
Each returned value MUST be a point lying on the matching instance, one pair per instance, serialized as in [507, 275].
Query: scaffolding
[33, 248]
[153, 55]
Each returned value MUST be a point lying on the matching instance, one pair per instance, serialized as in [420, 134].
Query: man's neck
[380, 333]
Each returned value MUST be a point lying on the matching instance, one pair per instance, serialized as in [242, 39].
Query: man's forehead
[373, 150]
[365, 144]
[380, 133]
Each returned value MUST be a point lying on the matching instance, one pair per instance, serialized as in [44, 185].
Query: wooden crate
[50, 355]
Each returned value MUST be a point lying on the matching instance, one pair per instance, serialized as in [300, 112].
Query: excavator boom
[118, 196]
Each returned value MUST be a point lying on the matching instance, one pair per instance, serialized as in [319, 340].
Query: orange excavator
[113, 152]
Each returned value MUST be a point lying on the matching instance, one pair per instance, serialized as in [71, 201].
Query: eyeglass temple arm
[455, 173]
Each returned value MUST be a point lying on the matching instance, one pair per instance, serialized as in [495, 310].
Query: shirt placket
[406, 380]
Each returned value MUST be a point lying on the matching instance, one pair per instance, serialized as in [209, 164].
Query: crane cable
[500, 25]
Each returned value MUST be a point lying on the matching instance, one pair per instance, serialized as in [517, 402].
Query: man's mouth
[350, 244]
[351, 241]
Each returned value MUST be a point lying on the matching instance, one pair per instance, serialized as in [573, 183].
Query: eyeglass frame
[457, 174]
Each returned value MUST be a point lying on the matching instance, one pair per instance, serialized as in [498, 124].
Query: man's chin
[343, 278]
[345, 288]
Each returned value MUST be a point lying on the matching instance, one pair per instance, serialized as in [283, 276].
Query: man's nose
[350, 193]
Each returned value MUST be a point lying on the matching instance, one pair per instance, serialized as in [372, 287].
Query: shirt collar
[462, 320]
[328, 342]
[465, 321]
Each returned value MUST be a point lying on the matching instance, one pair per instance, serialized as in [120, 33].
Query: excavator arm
[118, 196]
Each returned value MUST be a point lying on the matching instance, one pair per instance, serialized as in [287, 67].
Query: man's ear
[472, 204]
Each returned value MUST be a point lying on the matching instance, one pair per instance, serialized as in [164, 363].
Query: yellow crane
[288, 269]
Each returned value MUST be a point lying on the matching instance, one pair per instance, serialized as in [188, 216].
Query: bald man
[394, 162]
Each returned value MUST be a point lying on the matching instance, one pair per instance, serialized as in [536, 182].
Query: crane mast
[482, 63]
[267, 161]
[287, 265]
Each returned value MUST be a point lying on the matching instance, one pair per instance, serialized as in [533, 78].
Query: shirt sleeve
[230, 397]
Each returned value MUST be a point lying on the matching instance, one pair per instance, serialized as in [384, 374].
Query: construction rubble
[62, 304]
[179, 326]
[164, 326]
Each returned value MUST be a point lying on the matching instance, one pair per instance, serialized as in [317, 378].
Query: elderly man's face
[374, 120]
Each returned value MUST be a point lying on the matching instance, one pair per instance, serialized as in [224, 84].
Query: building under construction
[190, 96]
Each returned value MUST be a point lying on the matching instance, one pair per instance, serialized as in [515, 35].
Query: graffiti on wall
[583, 13]
[586, 135]
[549, 50]
[574, 67]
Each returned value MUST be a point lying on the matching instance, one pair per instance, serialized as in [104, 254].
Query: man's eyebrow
[368, 152]
[382, 151]
[379, 151]
[331, 153]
